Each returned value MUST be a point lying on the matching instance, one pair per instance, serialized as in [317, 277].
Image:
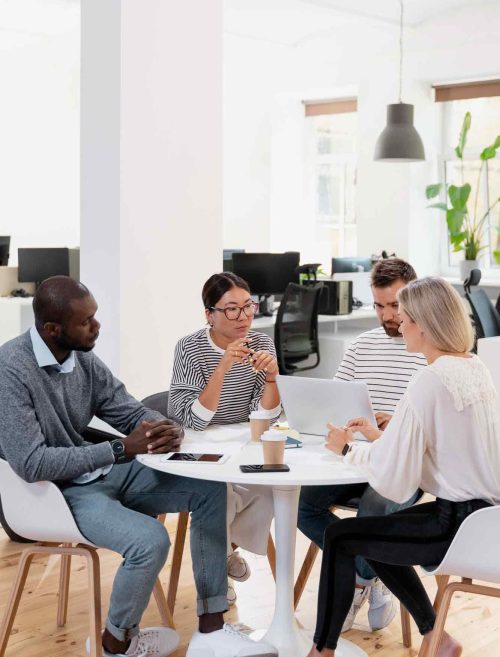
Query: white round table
[311, 465]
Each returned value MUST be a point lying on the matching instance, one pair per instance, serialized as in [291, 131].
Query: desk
[16, 317]
[335, 332]
[310, 465]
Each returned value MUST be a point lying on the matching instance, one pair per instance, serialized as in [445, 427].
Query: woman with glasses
[222, 373]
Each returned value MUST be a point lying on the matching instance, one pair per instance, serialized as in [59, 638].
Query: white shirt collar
[45, 358]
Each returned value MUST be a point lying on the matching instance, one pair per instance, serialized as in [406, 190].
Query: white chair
[473, 554]
[38, 511]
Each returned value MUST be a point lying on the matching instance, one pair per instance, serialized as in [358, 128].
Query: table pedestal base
[284, 632]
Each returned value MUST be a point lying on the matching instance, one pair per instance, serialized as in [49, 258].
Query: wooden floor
[474, 620]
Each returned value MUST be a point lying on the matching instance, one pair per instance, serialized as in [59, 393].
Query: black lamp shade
[399, 141]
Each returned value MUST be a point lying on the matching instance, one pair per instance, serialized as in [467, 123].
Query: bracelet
[269, 380]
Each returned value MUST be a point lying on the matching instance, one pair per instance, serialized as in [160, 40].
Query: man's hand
[337, 438]
[383, 420]
[362, 425]
[154, 438]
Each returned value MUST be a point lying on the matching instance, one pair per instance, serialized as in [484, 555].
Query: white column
[151, 175]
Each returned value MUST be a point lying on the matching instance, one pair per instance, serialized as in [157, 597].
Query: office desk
[310, 465]
[16, 317]
[335, 332]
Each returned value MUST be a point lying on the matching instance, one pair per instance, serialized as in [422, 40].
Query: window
[485, 127]
[331, 135]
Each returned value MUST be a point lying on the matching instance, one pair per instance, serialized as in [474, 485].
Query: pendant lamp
[399, 141]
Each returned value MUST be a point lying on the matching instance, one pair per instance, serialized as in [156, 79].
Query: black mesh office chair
[296, 328]
[485, 316]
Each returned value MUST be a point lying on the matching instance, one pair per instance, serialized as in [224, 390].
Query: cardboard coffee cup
[273, 444]
[259, 422]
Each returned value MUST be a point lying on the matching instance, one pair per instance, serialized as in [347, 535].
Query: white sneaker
[228, 642]
[360, 596]
[231, 595]
[237, 567]
[382, 606]
[157, 641]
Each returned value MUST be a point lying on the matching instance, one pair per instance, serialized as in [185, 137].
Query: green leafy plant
[466, 228]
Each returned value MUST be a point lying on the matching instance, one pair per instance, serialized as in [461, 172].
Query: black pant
[419, 535]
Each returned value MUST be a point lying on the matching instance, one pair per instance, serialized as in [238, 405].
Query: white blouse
[444, 437]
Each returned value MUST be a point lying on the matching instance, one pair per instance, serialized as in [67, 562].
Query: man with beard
[379, 358]
[51, 385]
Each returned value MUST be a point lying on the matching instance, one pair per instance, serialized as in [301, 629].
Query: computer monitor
[227, 258]
[35, 265]
[346, 265]
[4, 250]
[267, 273]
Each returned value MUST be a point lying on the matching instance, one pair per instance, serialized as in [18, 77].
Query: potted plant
[466, 228]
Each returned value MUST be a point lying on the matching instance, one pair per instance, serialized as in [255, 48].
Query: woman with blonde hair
[444, 438]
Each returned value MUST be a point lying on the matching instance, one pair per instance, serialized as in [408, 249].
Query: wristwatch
[346, 449]
[118, 447]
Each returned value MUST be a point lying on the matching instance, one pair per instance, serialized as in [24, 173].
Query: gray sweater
[43, 413]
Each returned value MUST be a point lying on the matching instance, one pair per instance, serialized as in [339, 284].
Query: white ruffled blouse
[444, 437]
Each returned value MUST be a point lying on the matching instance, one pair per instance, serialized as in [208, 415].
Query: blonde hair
[438, 309]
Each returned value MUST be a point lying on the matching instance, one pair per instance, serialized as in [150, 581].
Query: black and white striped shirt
[383, 364]
[196, 357]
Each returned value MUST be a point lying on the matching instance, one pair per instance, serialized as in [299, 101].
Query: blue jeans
[118, 512]
[315, 515]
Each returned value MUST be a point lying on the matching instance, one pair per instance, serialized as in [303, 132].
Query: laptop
[309, 404]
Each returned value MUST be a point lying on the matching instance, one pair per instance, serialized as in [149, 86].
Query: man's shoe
[237, 567]
[231, 595]
[360, 596]
[228, 642]
[157, 641]
[382, 606]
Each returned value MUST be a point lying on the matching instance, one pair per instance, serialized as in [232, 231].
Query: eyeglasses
[233, 313]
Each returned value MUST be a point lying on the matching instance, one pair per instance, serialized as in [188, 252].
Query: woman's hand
[337, 437]
[362, 425]
[265, 361]
[236, 352]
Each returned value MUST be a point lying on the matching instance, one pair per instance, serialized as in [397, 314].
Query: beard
[392, 329]
[66, 343]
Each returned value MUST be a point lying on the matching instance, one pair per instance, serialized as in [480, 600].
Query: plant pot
[466, 266]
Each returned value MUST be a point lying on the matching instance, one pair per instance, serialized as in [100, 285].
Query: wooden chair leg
[440, 621]
[64, 575]
[304, 573]
[180, 538]
[405, 626]
[163, 608]
[94, 582]
[442, 583]
[271, 555]
[14, 598]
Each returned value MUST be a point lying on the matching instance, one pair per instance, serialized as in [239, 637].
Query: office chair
[296, 328]
[472, 555]
[485, 316]
[38, 512]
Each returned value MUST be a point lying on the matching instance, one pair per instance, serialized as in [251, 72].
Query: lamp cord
[401, 53]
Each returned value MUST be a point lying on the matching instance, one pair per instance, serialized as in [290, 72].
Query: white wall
[151, 176]
[391, 207]
[39, 130]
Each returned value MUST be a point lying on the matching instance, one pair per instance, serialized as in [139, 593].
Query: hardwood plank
[474, 620]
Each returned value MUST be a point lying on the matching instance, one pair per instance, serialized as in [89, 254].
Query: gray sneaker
[360, 597]
[382, 606]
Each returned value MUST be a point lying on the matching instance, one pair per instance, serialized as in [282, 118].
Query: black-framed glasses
[233, 313]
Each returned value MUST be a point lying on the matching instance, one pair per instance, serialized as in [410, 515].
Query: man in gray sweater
[51, 385]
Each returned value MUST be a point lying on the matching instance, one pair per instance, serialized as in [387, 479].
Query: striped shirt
[196, 357]
[383, 364]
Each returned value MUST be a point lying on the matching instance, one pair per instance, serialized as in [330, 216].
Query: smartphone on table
[191, 457]
[265, 467]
